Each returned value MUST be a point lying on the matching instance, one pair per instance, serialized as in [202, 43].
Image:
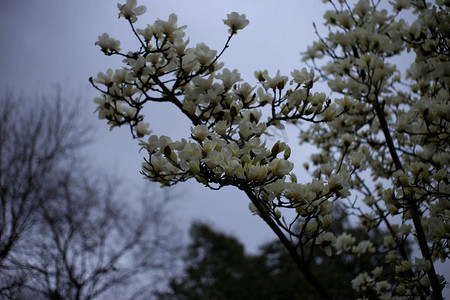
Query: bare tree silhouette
[66, 231]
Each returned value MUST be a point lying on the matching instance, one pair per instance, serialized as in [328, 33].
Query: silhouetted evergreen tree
[217, 267]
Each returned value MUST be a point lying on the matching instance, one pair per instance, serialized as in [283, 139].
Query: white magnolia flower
[233, 167]
[107, 43]
[142, 129]
[382, 286]
[147, 33]
[281, 167]
[168, 27]
[191, 151]
[344, 242]
[158, 164]
[264, 98]
[213, 159]
[130, 10]
[276, 82]
[236, 22]
[244, 91]
[303, 76]
[361, 281]
[364, 247]
[221, 127]
[179, 45]
[122, 76]
[312, 226]
[229, 78]
[258, 172]
[105, 79]
[189, 63]
[325, 240]
[200, 132]
[260, 75]
[209, 145]
[205, 56]
[400, 4]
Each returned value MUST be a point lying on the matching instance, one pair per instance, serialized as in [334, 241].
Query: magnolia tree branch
[412, 206]
[231, 119]
[298, 259]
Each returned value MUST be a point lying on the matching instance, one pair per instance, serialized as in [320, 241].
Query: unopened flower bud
[287, 152]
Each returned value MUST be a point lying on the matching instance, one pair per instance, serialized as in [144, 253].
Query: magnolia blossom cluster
[405, 273]
[212, 160]
[395, 130]
[227, 145]
[384, 140]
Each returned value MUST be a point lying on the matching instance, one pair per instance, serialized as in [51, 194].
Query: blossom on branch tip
[180, 46]
[105, 79]
[364, 247]
[398, 5]
[229, 78]
[277, 82]
[204, 55]
[303, 77]
[325, 240]
[221, 127]
[130, 10]
[169, 28]
[200, 132]
[258, 172]
[344, 242]
[236, 22]
[264, 97]
[244, 91]
[141, 129]
[147, 33]
[281, 167]
[260, 75]
[361, 281]
[107, 43]
[253, 209]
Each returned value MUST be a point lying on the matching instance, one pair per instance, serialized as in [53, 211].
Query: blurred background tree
[67, 231]
[217, 267]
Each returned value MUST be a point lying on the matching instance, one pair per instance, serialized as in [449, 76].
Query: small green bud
[287, 152]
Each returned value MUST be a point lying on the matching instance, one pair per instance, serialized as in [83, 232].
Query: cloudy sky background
[47, 43]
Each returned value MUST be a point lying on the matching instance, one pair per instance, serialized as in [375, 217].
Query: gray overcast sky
[48, 42]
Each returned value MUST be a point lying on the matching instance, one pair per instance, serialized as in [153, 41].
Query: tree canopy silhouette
[66, 229]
